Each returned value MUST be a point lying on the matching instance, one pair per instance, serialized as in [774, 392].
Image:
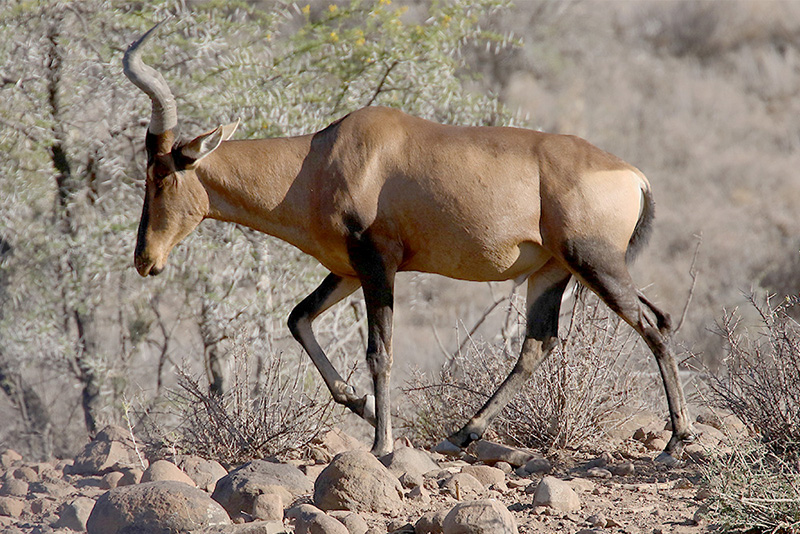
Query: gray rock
[489, 452]
[111, 480]
[431, 523]
[336, 442]
[255, 527]
[624, 469]
[486, 516]
[9, 457]
[164, 470]
[11, 507]
[155, 508]
[407, 460]
[538, 466]
[462, 486]
[237, 490]
[311, 520]
[268, 507]
[111, 448]
[13, 487]
[485, 474]
[26, 473]
[556, 494]
[205, 473]
[598, 472]
[74, 514]
[357, 481]
[354, 523]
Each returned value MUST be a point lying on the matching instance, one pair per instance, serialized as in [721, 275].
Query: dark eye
[160, 170]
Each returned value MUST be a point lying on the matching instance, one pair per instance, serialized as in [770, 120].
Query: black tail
[644, 227]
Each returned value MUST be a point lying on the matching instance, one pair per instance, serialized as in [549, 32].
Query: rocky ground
[111, 487]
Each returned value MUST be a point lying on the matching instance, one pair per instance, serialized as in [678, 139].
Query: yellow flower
[446, 19]
[386, 2]
[334, 37]
[360, 41]
[307, 9]
[332, 8]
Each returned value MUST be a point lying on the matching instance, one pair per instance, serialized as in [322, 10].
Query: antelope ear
[204, 144]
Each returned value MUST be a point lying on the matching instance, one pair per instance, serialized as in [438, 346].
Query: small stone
[597, 520]
[410, 480]
[538, 466]
[485, 475]
[9, 457]
[625, 469]
[598, 472]
[601, 461]
[656, 444]
[26, 474]
[415, 462]
[164, 470]
[486, 516]
[463, 486]
[357, 481]
[110, 480]
[14, 487]
[556, 494]
[353, 522]
[11, 507]
[682, 483]
[420, 494]
[489, 452]
[703, 494]
[74, 514]
[268, 507]
[505, 467]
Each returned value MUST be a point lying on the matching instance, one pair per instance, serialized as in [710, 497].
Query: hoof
[666, 459]
[364, 408]
[368, 412]
[448, 448]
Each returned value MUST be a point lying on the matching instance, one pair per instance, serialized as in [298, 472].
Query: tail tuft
[644, 227]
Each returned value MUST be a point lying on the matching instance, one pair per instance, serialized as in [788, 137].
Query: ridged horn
[165, 113]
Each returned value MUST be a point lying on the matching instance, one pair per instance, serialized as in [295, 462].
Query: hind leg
[602, 268]
[545, 289]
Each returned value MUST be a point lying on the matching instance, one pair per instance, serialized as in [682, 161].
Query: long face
[174, 204]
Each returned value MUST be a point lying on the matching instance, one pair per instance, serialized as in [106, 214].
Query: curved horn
[149, 80]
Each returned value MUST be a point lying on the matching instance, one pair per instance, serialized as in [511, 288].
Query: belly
[479, 264]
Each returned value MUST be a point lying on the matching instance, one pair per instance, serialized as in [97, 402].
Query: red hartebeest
[379, 191]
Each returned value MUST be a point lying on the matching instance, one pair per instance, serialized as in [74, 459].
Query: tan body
[414, 184]
[379, 192]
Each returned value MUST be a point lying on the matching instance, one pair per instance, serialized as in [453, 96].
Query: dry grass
[757, 485]
[761, 383]
[569, 398]
[278, 418]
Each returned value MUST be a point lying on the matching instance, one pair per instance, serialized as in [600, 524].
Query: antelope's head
[175, 200]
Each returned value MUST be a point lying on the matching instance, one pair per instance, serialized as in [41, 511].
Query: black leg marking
[603, 270]
[376, 274]
[332, 290]
[545, 289]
